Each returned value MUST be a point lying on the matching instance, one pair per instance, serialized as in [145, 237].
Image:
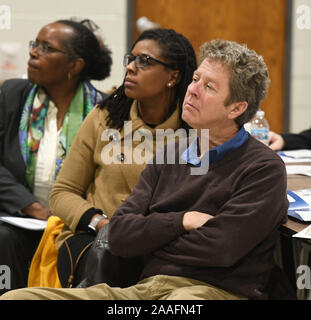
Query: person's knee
[18, 294]
[201, 292]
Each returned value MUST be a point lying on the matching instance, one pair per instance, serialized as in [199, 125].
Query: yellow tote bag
[43, 268]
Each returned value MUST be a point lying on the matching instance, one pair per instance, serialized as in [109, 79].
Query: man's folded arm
[133, 231]
[249, 216]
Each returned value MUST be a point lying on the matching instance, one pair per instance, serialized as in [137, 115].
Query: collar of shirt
[191, 154]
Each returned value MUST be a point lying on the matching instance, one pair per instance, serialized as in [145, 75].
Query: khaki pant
[159, 287]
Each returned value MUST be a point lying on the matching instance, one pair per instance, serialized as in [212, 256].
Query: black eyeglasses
[142, 61]
[44, 48]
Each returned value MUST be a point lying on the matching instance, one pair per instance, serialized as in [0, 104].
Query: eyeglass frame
[130, 58]
[44, 48]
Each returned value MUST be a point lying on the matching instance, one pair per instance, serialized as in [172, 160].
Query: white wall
[27, 18]
[300, 111]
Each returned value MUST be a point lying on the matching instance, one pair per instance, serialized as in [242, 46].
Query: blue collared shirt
[191, 154]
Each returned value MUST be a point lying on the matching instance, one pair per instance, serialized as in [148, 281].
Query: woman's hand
[38, 211]
[101, 223]
[276, 142]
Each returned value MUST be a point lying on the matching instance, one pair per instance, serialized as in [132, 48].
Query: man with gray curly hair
[249, 79]
[209, 236]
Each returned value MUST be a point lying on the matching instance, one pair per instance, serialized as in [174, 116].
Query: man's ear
[78, 65]
[236, 109]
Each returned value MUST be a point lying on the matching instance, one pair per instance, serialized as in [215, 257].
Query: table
[294, 251]
[296, 182]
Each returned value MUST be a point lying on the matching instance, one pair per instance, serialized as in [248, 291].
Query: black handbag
[104, 267]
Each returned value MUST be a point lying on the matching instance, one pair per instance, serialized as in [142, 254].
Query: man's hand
[195, 219]
[37, 210]
[276, 142]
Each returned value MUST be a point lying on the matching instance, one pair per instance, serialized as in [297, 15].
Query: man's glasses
[44, 48]
[142, 61]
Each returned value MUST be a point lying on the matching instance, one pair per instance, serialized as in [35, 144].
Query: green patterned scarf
[32, 125]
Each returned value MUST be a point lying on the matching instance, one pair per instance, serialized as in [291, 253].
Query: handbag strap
[73, 267]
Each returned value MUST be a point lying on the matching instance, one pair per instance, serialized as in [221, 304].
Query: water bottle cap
[260, 113]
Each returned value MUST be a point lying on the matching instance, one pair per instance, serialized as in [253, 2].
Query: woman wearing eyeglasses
[89, 189]
[39, 118]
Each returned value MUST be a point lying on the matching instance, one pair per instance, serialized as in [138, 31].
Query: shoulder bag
[104, 267]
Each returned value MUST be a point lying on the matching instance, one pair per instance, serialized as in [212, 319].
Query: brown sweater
[246, 193]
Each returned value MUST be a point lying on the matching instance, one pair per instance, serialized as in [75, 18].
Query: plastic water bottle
[259, 128]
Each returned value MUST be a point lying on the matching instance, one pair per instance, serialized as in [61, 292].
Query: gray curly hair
[249, 74]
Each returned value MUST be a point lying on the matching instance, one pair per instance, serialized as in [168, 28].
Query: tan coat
[86, 181]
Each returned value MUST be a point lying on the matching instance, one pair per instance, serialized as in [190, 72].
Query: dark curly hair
[177, 52]
[84, 44]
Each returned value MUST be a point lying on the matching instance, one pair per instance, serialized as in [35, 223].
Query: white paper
[300, 204]
[297, 154]
[305, 233]
[299, 169]
[304, 214]
[292, 156]
[304, 194]
[25, 223]
[294, 160]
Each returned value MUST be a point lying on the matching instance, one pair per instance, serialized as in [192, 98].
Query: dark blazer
[297, 141]
[14, 195]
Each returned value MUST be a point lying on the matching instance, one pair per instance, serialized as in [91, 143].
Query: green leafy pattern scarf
[32, 125]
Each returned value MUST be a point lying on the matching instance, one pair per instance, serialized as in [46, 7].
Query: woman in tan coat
[107, 156]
